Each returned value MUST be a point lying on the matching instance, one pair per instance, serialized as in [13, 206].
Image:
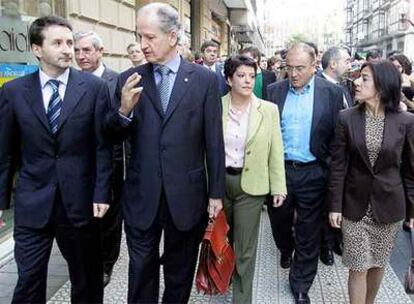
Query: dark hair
[37, 27]
[252, 50]
[373, 54]
[403, 60]
[232, 63]
[387, 82]
[207, 44]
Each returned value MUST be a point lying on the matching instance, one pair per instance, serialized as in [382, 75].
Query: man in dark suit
[309, 107]
[336, 63]
[210, 51]
[263, 78]
[89, 51]
[174, 123]
[52, 120]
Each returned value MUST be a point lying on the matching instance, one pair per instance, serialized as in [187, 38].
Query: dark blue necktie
[54, 107]
[164, 86]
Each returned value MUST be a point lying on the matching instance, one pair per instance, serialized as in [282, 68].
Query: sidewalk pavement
[270, 283]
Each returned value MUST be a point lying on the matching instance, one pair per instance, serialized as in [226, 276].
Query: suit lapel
[182, 83]
[389, 130]
[225, 112]
[34, 98]
[255, 120]
[358, 130]
[281, 95]
[73, 94]
[318, 96]
[150, 88]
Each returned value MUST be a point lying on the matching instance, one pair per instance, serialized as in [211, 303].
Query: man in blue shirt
[309, 107]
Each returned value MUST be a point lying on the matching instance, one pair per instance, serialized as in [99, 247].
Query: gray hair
[167, 17]
[95, 39]
[333, 53]
[304, 48]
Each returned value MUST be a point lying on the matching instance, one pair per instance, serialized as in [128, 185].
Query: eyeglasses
[298, 69]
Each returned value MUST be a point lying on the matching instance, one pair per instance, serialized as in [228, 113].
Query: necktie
[55, 104]
[164, 86]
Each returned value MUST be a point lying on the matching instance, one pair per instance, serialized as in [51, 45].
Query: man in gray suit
[88, 54]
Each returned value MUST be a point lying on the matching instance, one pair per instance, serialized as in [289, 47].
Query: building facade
[380, 24]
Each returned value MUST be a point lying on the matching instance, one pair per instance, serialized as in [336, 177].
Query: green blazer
[264, 167]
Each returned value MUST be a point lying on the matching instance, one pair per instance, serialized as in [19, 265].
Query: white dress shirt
[211, 68]
[99, 71]
[334, 81]
[47, 89]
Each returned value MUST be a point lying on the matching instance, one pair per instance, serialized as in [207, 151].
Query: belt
[297, 164]
[233, 171]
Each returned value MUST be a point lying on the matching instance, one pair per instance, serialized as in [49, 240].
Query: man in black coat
[174, 122]
[52, 121]
[89, 51]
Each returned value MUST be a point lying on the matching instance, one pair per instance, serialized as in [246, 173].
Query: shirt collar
[63, 78]
[99, 71]
[329, 78]
[173, 64]
[306, 88]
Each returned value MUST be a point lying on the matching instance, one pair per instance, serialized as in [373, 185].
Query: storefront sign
[14, 41]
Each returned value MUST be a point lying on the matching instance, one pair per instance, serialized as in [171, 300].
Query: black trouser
[306, 192]
[178, 260]
[111, 224]
[80, 246]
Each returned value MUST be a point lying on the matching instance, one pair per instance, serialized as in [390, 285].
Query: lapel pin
[185, 79]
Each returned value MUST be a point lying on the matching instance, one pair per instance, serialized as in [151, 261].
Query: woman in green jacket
[254, 166]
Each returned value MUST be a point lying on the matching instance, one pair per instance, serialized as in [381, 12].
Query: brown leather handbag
[217, 259]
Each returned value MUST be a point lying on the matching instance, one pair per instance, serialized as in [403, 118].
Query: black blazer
[111, 78]
[389, 185]
[268, 78]
[328, 101]
[171, 152]
[77, 160]
[344, 88]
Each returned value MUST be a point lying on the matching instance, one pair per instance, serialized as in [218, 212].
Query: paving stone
[270, 285]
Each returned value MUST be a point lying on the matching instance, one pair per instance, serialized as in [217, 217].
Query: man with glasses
[308, 107]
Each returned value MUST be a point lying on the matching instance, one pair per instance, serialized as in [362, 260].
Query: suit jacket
[223, 87]
[389, 185]
[327, 103]
[268, 78]
[111, 78]
[171, 152]
[76, 161]
[264, 167]
[344, 88]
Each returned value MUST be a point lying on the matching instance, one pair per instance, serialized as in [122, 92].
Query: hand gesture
[130, 94]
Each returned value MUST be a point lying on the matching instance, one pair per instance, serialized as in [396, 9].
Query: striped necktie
[54, 107]
[164, 86]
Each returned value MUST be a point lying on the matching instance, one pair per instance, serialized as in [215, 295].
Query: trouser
[111, 223]
[179, 259]
[306, 195]
[80, 246]
[243, 215]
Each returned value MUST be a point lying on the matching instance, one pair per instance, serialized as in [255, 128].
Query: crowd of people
[324, 140]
